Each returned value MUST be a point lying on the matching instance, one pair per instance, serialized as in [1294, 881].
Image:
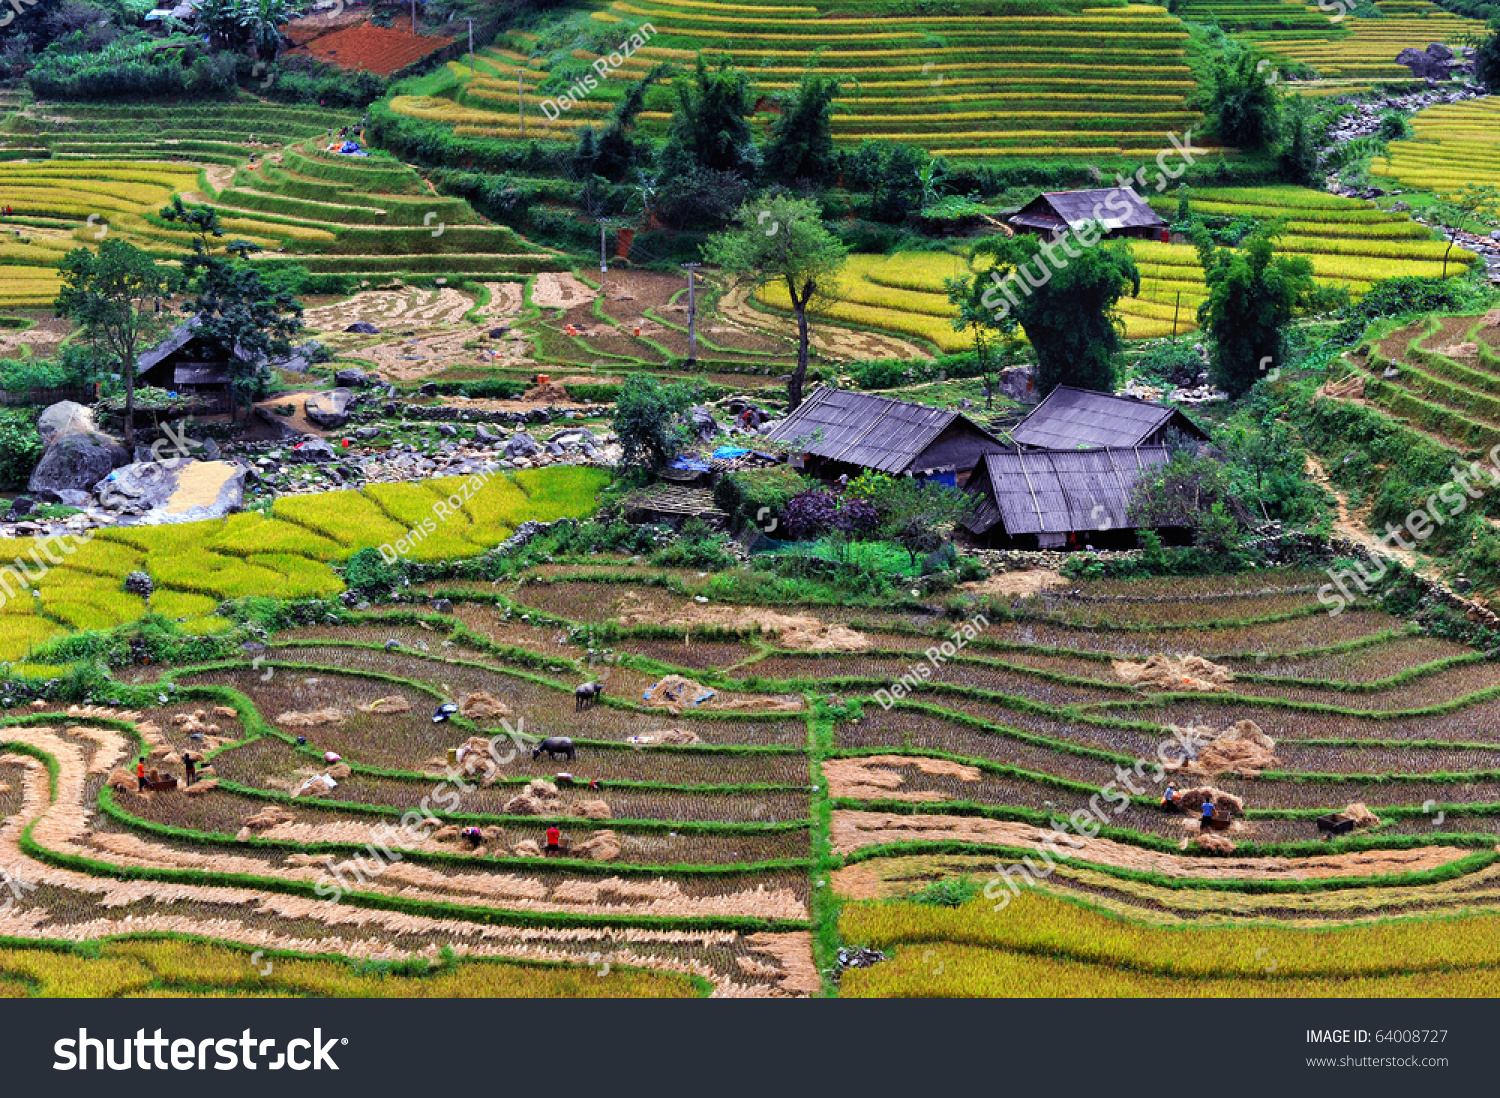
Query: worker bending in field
[1208, 814]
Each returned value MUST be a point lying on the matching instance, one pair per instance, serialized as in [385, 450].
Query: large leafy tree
[710, 128]
[1242, 104]
[782, 239]
[248, 320]
[1487, 55]
[1069, 318]
[1252, 296]
[614, 153]
[801, 152]
[263, 20]
[111, 295]
[996, 343]
[919, 515]
[646, 422]
[1474, 204]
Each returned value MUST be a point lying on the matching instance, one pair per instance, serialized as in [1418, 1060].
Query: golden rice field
[965, 87]
[1349, 243]
[287, 553]
[1453, 144]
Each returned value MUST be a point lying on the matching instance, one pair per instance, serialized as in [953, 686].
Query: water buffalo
[586, 695]
[553, 746]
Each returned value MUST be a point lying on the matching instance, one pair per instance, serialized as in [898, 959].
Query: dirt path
[1352, 524]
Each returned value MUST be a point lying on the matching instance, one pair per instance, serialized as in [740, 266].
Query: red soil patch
[381, 50]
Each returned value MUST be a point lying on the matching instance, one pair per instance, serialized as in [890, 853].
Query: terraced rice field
[1350, 244]
[1446, 382]
[967, 87]
[75, 172]
[1452, 145]
[1364, 52]
[722, 833]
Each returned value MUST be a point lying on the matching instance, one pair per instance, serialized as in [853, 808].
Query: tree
[110, 295]
[1193, 493]
[801, 150]
[1473, 203]
[1067, 311]
[223, 21]
[263, 20]
[1252, 295]
[645, 420]
[920, 515]
[1242, 104]
[782, 239]
[1303, 132]
[614, 154]
[891, 173]
[711, 127]
[992, 352]
[238, 312]
[1487, 55]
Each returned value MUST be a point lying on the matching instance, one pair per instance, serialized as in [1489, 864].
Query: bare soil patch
[802, 632]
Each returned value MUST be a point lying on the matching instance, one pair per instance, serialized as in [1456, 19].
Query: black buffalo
[553, 746]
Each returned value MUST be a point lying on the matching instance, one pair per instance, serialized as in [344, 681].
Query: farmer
[140, 773]
[189, 764]
[554, 838]
[1169, 798]
[473, 834]
[1208, 815]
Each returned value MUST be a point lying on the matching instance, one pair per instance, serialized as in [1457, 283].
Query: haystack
[1241, 749]
[122, 781]
[539, 798]
[675, 693]
[269, 817]
[481, 706]
[1350, 388]
[550, 393]
[318, 786]
[1175, 673]
[312, 718]
[526, 848]
[393, 703]
[1360, 814]
[1211, 842]
[601, 846]
[675, 737]
[205, 785]
[592, 810]
[224, 711]
[476, 760]
[1191, 800]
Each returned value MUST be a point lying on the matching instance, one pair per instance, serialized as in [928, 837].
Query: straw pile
[675, 693]
[592, 810]
[1175, 673]
[601, 846]
[312, 718]
[1361, 815]
[481, 706]
[1241, 749]
[675, 737]
[394, 703]
[539, 798]
[1211, 842]
[1191, 800]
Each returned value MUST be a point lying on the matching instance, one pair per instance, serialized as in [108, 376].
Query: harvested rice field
[713, 826]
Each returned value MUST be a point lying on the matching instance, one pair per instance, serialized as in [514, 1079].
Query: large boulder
[701, 420]
[329, 409]
[77, 456]
[1439, 52]
[314, 451]
[1018, 383]
[521, 445]
[176, 490]
[64, 417]
[351, 378]
[1422, 64]
[363, 327]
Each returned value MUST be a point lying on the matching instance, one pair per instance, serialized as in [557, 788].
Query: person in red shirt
[140, 773]
[554, 839]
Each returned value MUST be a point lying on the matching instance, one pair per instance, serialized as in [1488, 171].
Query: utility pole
[1175, 307]
[471, 49]
[414, 16]
[692, 359]
[603, 263]
[521, 99]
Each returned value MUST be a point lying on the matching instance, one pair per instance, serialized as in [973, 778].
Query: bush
[756, 495]
[1170, 364]
[808, 515]
[368, 573]
[20, 448]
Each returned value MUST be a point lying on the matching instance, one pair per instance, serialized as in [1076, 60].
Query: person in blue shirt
[1208, 814]
[1169, 798]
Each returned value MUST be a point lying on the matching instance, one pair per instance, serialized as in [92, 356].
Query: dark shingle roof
[1072, 419]
[1122, 210]
[174, 341]
[1057, 491]
[871, 431]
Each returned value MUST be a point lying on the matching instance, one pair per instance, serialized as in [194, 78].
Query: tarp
[690, 466]
[729, 452]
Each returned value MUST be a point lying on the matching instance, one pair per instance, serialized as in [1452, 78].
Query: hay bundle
[198, 788]
[1241, 749]
[1211, 842]
[269, 817]
[527, 848]
[481, 706]
[312, 718]
[1175, 673]
[675, 737]
[674, 692]
[393, 703]
[1350, 388]
[122, 781]
[1191, 800]
[476, 760]
[224, 711]
[592, 810]
[340, 771]
[318, 786]
[1361, 815]
[539, 798]
[601, 846]
[446, 834]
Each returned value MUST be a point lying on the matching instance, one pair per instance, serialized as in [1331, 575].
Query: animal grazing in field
[587, 694]
[553, 746]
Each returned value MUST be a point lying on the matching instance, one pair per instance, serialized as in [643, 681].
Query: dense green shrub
[758, 495]
[20, 448]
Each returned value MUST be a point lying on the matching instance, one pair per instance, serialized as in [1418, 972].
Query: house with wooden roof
[1055, 499]
[838, 431]
[186, 363]
[1121, 211]
[1081, 419]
